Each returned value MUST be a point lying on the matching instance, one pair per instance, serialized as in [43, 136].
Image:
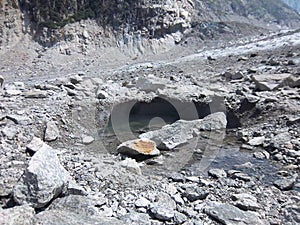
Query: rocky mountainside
[295, 4]
[130, 20]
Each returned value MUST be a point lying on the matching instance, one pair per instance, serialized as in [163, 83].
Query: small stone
[9, 132]
[256, 141]
[246, 202]
[100, 94]
[35, 144]
[51, 131]
[195, 193]
[142, 202]
[237, 76]
[131, 165]
[285, 184]
[35, 94]
[87, 140]
[217, 173]
[177, 177]
[180, 218]
[139, 147]
[164, 208]
[1, 81]
[76, 79]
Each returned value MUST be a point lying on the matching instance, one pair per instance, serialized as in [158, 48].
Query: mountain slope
[295, 4]
[46, 19]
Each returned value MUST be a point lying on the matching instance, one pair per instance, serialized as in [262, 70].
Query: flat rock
[87, 140]
[51, 131]
[135, 147]
[256, 141]
[35, 94]
[18, 215]
[195, 193]
[217, 173]
[150, 84]
[230, 215]
[170, 136]
[43, 180]
[270, 82]
[135, 218]
[246, 202]
[66, 217]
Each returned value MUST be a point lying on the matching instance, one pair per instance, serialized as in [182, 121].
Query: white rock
[51, 131]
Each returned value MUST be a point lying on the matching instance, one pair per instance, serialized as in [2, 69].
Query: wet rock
[195, 193]
[246, 202]
[138, 147]
[270, 82]
[18, 215]
[136, 218]
[43, 180]
[87, 140]
[51, 131]
[66, 217]
[170, 136]
[35, 144]
[256, 141]
[217, 173]
[230, 215]
[164, 208]
[285, 184]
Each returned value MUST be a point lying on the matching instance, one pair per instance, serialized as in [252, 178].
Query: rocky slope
[293, 3]
[130, 22]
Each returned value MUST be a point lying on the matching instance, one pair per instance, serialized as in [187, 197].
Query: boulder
[231, 215]
[173, 135]
[270, 82]
[43, 180]
[135, 147]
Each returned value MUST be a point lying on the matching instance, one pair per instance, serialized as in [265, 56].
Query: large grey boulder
[173, 135]
[231, 215]
[43, 180]
[19, 215]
